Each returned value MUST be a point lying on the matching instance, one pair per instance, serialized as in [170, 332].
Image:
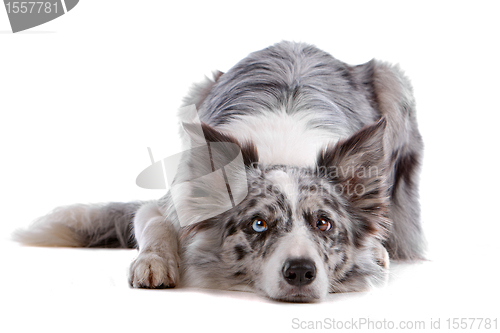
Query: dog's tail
[94, 225]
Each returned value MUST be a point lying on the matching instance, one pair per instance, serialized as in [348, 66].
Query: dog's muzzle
[299, 272]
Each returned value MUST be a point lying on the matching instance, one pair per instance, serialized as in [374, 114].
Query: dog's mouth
[298, 296]
[306, 294]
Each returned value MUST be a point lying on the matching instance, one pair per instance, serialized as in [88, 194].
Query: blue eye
[259, 225]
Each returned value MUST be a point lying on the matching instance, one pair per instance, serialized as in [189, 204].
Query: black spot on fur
[269, 189]
[269, 247]
[289, 221]
[240, 252]
[251, 204]
[240, 273]
[363, 229]
[308, 217]
[231, 230]
[257, 239]
[405, 168]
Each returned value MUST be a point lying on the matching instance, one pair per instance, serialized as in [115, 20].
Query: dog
[332, 155]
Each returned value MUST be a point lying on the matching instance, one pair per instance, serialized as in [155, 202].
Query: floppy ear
[357, 168]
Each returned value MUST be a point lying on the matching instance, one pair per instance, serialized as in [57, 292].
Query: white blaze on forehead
[286, 184]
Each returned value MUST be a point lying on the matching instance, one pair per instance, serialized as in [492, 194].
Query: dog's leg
[157, 265]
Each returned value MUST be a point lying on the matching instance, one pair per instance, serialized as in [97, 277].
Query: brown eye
[259, 225]
[323, 224]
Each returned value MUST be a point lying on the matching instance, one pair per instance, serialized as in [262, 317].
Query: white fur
[285, 184]
[282, 138]
[158, 260]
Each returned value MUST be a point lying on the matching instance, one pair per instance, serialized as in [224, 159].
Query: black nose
[299, 272]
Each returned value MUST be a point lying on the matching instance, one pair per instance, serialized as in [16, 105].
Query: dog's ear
[357, 168]
[364, 148]
[200, 91]
[212, 176]
[210, 134]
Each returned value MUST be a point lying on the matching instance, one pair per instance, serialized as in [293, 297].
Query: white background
[82, 97]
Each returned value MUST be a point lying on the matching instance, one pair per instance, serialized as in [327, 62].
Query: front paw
[154, 270]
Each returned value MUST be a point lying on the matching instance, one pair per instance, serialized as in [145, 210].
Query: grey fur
[96, 225]
[344, 98]
[369, 107]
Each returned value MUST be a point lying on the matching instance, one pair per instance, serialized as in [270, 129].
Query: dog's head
[300, 233]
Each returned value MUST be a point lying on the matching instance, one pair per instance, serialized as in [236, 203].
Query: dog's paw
[152, 270]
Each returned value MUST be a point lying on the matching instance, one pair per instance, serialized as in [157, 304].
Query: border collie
[331, 155]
